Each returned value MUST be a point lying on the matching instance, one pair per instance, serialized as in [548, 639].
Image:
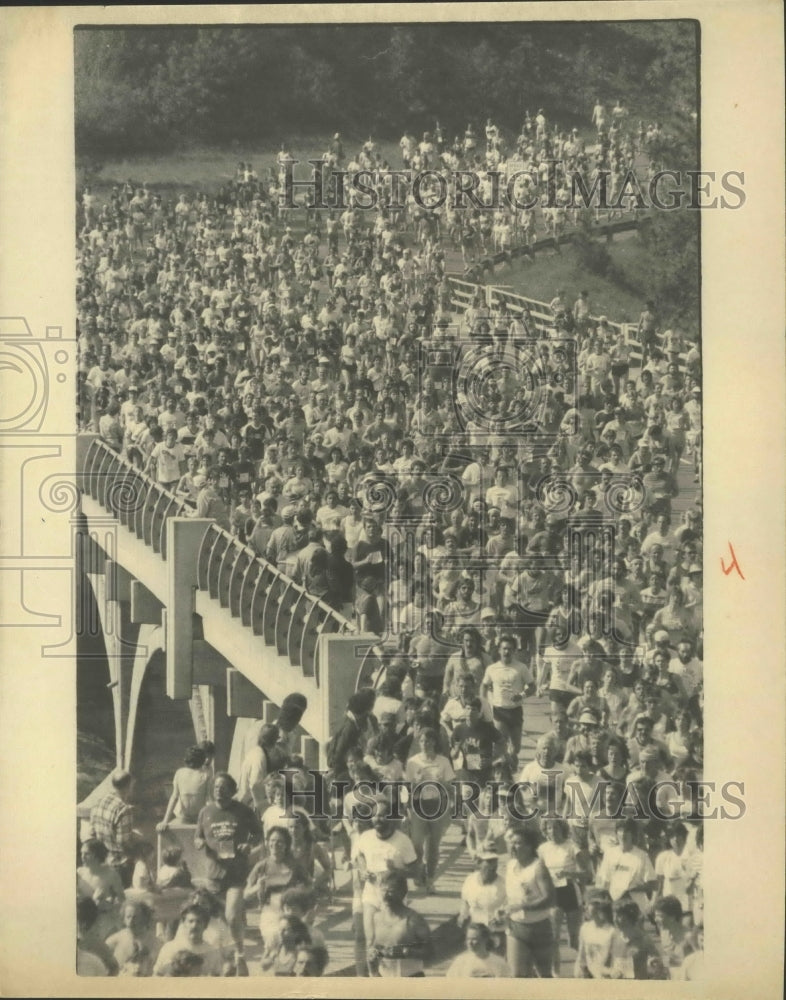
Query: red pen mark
[733, 565]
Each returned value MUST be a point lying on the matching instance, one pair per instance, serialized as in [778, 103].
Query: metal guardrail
[252, 590]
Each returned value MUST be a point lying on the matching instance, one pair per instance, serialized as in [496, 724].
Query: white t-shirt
[595, 948]
[384, 704]
[211, 957]
[578, 799]
[483, 900]
[675, 869]
[504, 497]
[506, 682]
[554, 777]
[276, 816]
[667, 541]
[420, 768]
[521, 886]
[168, 462]
[623, 871]
[377, 852]
[469, 966]
[691, 969]
[561, 662]
[253, 772]
[454, 713]
[691, 673]
[557, 857]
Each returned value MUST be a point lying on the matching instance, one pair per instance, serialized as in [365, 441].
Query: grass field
[550, 271]
[208, 169]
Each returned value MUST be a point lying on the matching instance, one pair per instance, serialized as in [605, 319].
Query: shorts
[566, 898]
[539, 935]
[232, 877]
[510, 717]
[563, 698]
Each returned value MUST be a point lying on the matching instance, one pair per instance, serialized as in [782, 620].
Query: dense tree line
[143, 89]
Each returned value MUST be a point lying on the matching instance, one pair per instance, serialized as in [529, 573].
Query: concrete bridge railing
[266, 635]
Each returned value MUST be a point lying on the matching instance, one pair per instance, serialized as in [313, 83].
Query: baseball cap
[588, 718]
[487, 613]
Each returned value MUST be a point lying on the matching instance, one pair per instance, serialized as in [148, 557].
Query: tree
[672, 243]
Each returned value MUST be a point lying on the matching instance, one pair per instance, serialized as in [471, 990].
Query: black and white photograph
[386, 521]
[390, 374]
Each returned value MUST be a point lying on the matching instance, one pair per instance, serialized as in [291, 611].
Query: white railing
[464, 293]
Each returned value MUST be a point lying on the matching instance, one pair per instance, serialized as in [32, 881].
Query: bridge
[237, 636]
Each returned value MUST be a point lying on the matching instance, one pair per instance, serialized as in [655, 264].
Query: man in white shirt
[189, 937]
[626, 868]
[483, 896]
[505, 684]
[171, 417]
[544, 777]
[688, 667]
[169, 459]
[377, 851]
[503, 494]
[662, 535]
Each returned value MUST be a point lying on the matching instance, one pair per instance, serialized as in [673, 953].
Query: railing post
[340, 664]
[184, 536]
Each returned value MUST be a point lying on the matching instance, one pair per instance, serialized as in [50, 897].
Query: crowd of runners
[503, 535]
